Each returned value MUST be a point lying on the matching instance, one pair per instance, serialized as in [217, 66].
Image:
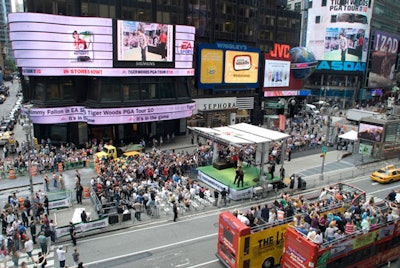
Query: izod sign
[215, 104]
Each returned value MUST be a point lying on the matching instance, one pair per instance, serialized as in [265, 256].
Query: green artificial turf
[227, 176]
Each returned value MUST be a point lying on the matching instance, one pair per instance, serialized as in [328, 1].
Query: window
[297, 6]
[317, 19]
[333, 18]
[110, 90]
[54, 89]
[323, 3]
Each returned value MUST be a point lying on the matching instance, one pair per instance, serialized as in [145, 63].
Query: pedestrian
[80, 265]
[72, 233]
[78, 175]
[28, 206]
[62, 182]
[391, 197]
[42, 242]
[289, 154]
[291, 184]
[61, 255]
[224, 194]
[24, 265]
[46, 204]
[84, 217]
[55, 180]
[282, 172]
[237, 172]
[53, 231]
[15, 257]
[216, 195]
[41, 262]
[46, 182]
[28, 248]
[79, 191]
[241, 177]
[76, 256]
[25, 219]
[175, 210]
[272, 170]
[32, 227]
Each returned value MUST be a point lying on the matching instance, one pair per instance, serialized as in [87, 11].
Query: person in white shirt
[61, 254]
[319, 239]
[323, 194]
[28, 248]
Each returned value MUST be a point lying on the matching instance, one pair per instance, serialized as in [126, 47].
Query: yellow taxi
[387, 174]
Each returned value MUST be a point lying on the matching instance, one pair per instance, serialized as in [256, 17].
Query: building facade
[253, 24]
[354, 76]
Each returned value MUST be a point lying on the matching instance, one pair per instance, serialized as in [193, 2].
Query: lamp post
[325, 143]
[27, 127]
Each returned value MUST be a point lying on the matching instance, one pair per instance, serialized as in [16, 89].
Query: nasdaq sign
[346, 66]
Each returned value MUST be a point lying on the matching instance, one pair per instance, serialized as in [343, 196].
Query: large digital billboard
[383, 59]
[56, 115]
[54, 45]
[223, 65]
[145, 44]
[338, 33]
[40, 40]
[370, 132]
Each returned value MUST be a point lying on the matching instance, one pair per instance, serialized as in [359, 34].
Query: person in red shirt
[79, 43]
[163, 45]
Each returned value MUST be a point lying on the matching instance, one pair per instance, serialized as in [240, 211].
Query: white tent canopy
[351, 135]
[241, 134]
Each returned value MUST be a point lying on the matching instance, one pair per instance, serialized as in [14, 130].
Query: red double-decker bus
[377, 247]
[261, 246]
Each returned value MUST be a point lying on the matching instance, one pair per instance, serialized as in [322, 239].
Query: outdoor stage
[219, 179]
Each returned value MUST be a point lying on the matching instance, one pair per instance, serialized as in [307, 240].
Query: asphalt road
[188, 243]
[7, 106]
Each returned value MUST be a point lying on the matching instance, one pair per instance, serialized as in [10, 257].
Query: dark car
[7, 77]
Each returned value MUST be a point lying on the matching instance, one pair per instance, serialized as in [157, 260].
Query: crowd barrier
[14, 172]
[83, 227]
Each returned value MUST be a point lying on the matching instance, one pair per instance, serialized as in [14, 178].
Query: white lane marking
[204, 263]
[151, 249]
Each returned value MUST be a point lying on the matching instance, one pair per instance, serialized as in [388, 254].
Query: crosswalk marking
[24, 257]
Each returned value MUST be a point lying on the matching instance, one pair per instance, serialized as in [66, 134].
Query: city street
[190, 242]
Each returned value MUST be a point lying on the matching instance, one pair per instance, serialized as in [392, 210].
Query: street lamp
[27, 127]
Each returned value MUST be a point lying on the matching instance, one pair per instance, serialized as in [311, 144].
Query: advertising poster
[211, 70]
[277, 73]
[339, 32]
[383, 60]
[48, 45]
[222, 65]
[370, 132]
[41, 40]
[241, 67]
[140, 41]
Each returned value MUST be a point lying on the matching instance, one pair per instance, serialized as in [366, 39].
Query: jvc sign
[347, 66]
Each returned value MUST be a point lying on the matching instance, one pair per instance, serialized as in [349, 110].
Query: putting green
[227, 176]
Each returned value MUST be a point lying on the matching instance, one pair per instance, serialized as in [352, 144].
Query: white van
[311, 109]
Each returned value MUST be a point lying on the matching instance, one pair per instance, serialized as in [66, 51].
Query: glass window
[110, 90]
[317, 19]
[39, 92]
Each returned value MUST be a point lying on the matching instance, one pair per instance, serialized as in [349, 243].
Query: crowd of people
[321, 220]
[26, 226]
